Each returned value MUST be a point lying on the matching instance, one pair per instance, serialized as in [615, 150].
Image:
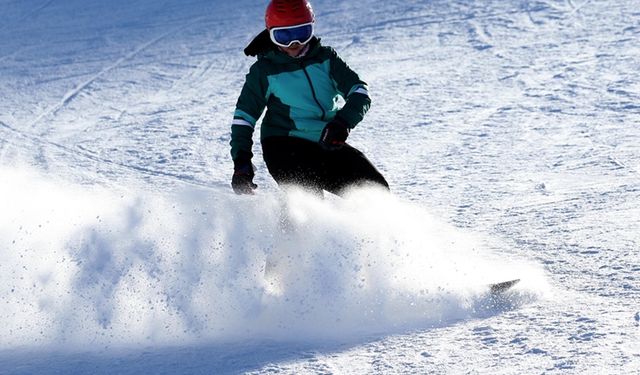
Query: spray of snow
[88, 266]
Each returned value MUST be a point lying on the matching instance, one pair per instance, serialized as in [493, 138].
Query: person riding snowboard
[304, 131]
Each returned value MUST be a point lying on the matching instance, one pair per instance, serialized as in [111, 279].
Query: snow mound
[90, 266]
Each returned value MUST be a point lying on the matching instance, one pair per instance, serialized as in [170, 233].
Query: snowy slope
[508, 130]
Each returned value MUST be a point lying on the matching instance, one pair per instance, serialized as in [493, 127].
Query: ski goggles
[287, 35]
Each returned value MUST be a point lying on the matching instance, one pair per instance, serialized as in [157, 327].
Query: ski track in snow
[28, 15]
[516, 120]
[73, 93]
[80, 153]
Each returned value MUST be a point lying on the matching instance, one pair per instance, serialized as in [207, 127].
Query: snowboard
[503, 286]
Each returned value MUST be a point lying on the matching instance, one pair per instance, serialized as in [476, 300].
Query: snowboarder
[304, 130]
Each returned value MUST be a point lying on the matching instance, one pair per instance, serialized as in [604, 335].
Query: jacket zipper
[313, 91]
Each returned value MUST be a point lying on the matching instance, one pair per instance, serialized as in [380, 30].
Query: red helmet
[288, 13]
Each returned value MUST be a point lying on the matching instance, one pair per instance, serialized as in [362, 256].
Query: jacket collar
[262, 47]
[278, 56]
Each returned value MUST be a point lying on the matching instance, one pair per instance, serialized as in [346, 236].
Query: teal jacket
[301, 95]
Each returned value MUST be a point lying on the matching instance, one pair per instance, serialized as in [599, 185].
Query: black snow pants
[296, 161]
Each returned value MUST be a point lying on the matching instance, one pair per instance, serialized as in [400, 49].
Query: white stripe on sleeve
[362, 90]
[241, 122]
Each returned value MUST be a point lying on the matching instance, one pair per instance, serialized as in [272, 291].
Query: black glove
[242, 180]
[334, 134]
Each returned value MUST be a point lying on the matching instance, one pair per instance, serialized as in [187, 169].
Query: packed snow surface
[508, 130]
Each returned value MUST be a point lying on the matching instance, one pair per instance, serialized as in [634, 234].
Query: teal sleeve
[352, 88]
[249, 108]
